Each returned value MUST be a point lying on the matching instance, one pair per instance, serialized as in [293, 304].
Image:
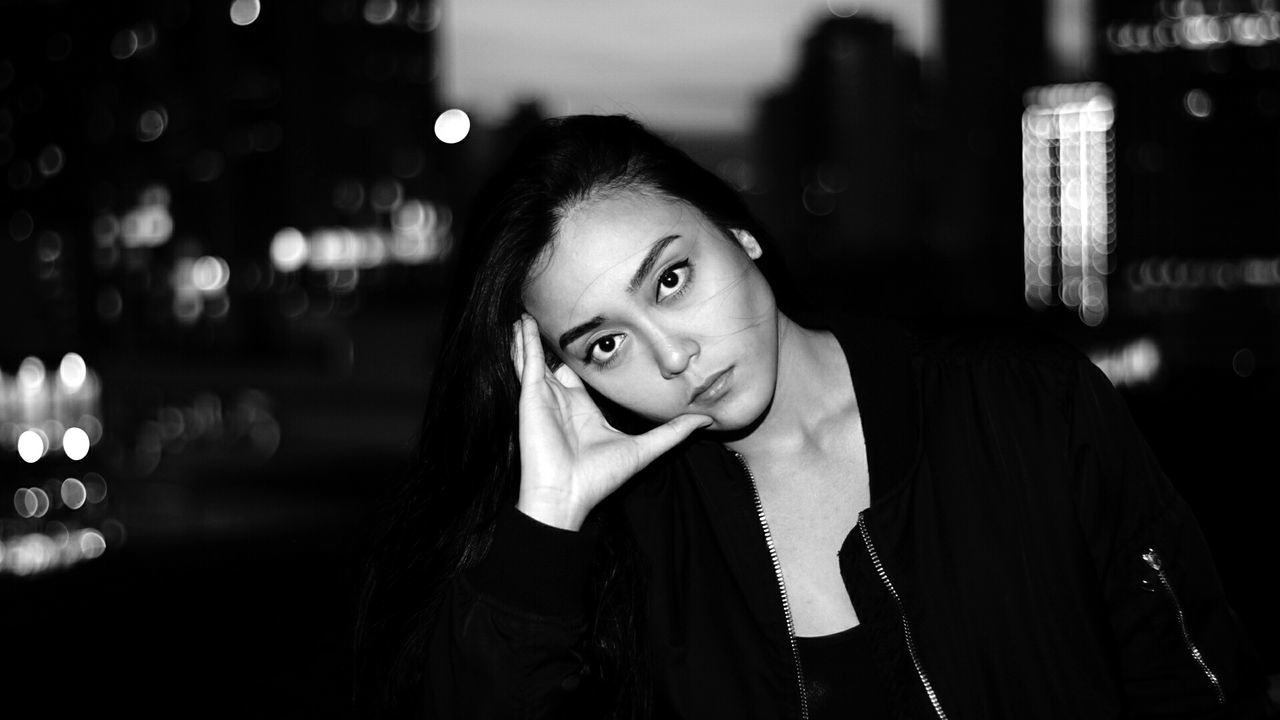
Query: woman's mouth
[714, 388]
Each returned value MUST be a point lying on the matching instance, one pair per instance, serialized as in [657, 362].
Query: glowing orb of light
[72, 371]
[73, 493]
[92, 543]
[31, 446]
[24, 502]
[75, 443]
[452, 126]
[210, 274]
[289, 250]
[244, 12]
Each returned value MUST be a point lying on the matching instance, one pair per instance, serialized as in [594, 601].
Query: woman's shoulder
[992, 342]
[1018, 363]
[954, 343]
[975, 355]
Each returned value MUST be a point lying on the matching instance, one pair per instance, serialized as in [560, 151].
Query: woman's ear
[748, 243]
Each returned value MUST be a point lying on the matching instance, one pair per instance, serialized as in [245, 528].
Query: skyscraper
[843, 147]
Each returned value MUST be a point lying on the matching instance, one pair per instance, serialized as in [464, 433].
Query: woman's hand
[570, 457]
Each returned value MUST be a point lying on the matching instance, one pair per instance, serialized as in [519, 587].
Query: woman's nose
[675, 352]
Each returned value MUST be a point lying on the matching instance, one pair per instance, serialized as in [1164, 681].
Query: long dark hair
[440, 521]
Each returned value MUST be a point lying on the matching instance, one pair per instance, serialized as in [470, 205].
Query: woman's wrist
[552, 507]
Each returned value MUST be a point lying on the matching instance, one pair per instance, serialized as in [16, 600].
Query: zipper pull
[1157, 578]
[1152, 559]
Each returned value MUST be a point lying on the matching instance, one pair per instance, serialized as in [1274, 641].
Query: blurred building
[205, 208]
[991, 54]
[1068, 196]
[842, 151]
[1198, 132]
[152, 151]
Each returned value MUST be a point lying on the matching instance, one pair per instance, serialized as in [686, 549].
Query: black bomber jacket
[1023, 556]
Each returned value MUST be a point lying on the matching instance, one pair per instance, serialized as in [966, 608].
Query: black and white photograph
[640, 360]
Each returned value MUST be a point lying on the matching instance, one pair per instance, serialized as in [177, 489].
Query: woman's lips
[714, 388]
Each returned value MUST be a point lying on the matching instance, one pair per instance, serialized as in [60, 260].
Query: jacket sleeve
[1182, 651]
[506, 639]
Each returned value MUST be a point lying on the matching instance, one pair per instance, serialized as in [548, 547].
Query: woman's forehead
[599, 245]
[620, 217]
[609, 236]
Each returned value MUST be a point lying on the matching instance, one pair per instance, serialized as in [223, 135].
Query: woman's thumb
[668, 435]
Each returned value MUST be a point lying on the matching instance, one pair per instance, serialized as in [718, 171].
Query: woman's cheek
[643, 397]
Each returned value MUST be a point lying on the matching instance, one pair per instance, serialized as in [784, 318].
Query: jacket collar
[880, 359]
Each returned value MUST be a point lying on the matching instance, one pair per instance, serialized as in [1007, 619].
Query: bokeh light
[152, 123]
[24, 502]
[1133, 363]
[56, 547]
[210, 273]
[1198, 103]
[21, 225]
[32, 445]
[380, 12]
[245, 12]
[31, 375]
[289, 250]
[42, 501]
[49, 247]
[1243, 362]
[51, 161]
[95, 488]
[842, 9]
[73, 493]
[124, 44]
[75, 443]
[92, 543]
[452, 126]
[72, 371]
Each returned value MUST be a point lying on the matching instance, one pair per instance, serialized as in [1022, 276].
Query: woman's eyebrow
[574, 333]
[646, 265]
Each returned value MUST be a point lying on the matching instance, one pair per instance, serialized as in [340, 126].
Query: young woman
[646, 491]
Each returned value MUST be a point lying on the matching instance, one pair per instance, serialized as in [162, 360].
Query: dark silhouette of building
[842, 153]
[991, 54]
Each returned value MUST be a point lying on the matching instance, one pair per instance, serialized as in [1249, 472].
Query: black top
[839, 676]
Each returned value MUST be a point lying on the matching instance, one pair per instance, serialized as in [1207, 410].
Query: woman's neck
[813, 390]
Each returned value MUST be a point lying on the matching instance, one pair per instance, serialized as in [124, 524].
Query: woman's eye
[603, 350]
[673, 279]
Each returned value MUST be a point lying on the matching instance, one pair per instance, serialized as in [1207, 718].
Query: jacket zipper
[1152, 559]
[782, 586]
[902, 612]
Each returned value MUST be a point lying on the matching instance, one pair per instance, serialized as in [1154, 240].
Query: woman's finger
[668, 435]
[517, 348]
[531, 347]
[533, 362]
[567, 376]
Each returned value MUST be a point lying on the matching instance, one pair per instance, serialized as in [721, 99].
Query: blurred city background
[226, 231]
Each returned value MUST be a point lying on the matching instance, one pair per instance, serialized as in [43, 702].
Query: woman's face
[653, 307]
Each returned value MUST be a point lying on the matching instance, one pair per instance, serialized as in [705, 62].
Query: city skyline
[686, 67]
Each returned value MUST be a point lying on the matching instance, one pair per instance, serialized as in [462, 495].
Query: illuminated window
[1068, 197]
[1186, 26]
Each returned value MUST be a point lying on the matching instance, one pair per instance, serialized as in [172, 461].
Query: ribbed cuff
[536, 567]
